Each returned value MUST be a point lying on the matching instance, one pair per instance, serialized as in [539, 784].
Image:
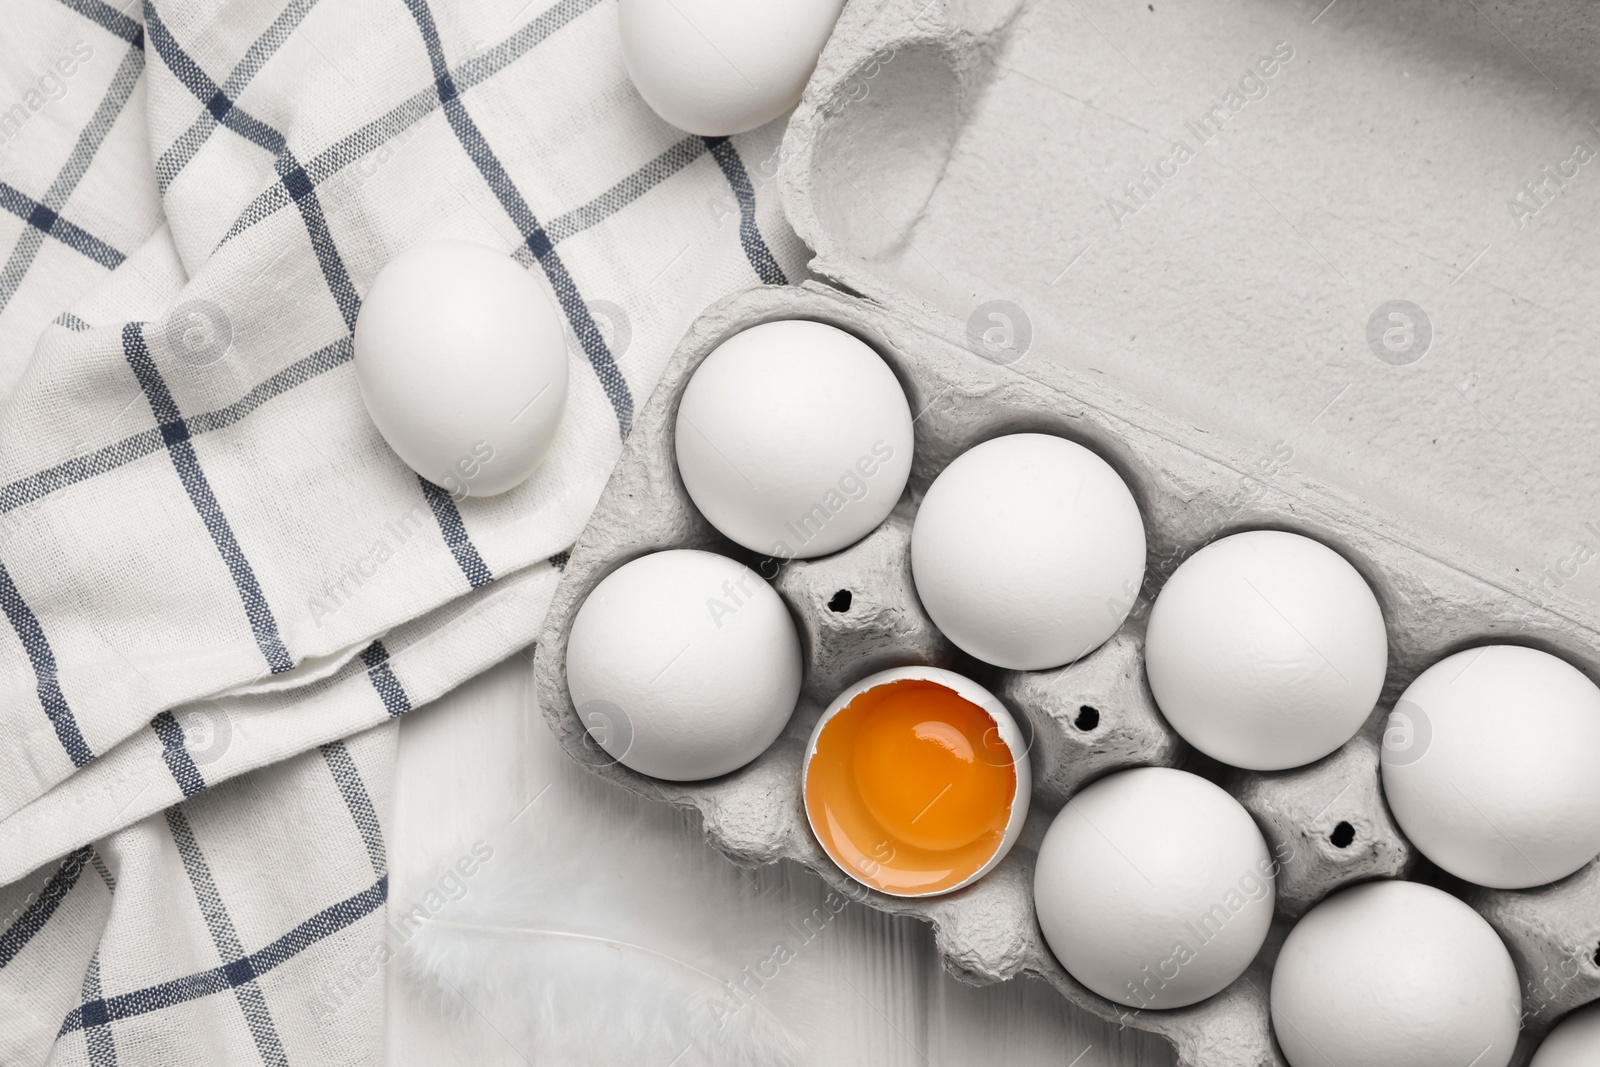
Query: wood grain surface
[867, 990]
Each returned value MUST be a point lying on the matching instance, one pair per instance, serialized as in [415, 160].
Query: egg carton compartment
[1327, 822]
[1553, 932]
[1091, 717]
[1330, 814]
[858, 611]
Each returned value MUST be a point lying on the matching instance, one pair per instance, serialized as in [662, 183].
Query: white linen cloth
[210, 562]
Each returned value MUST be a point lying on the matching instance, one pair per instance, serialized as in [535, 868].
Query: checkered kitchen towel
[210, 562]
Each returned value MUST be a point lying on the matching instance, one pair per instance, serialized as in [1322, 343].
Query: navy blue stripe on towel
[110, 18]
[175, 435]
[52, 224]
[455, 534]
[359, 803]
[755, 246]
[175, 753]
[535, 239]
[235, 972]
[43, 660]
[209, 93]
[390, 691]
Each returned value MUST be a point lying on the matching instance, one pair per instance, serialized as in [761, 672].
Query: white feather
[606, 937]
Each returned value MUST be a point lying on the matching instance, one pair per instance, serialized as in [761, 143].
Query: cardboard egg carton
[988, 932]
[1096, 715]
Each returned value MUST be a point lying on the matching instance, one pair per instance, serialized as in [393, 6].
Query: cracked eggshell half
[916, 781]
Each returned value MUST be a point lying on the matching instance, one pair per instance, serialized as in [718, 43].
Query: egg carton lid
[958, 160]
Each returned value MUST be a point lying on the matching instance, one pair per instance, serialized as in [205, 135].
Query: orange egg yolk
[911, 787]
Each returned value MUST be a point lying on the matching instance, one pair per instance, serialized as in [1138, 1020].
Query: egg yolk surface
[911, 787]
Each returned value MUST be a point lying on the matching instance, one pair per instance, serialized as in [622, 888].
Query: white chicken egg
[1028, 551]
[1575, 1042]
[719, 67]
[1395, 973]
[683, 664]
[1489, 764]
[1154, 888]
[1266, 650]
[794, 438]
[462, 363]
